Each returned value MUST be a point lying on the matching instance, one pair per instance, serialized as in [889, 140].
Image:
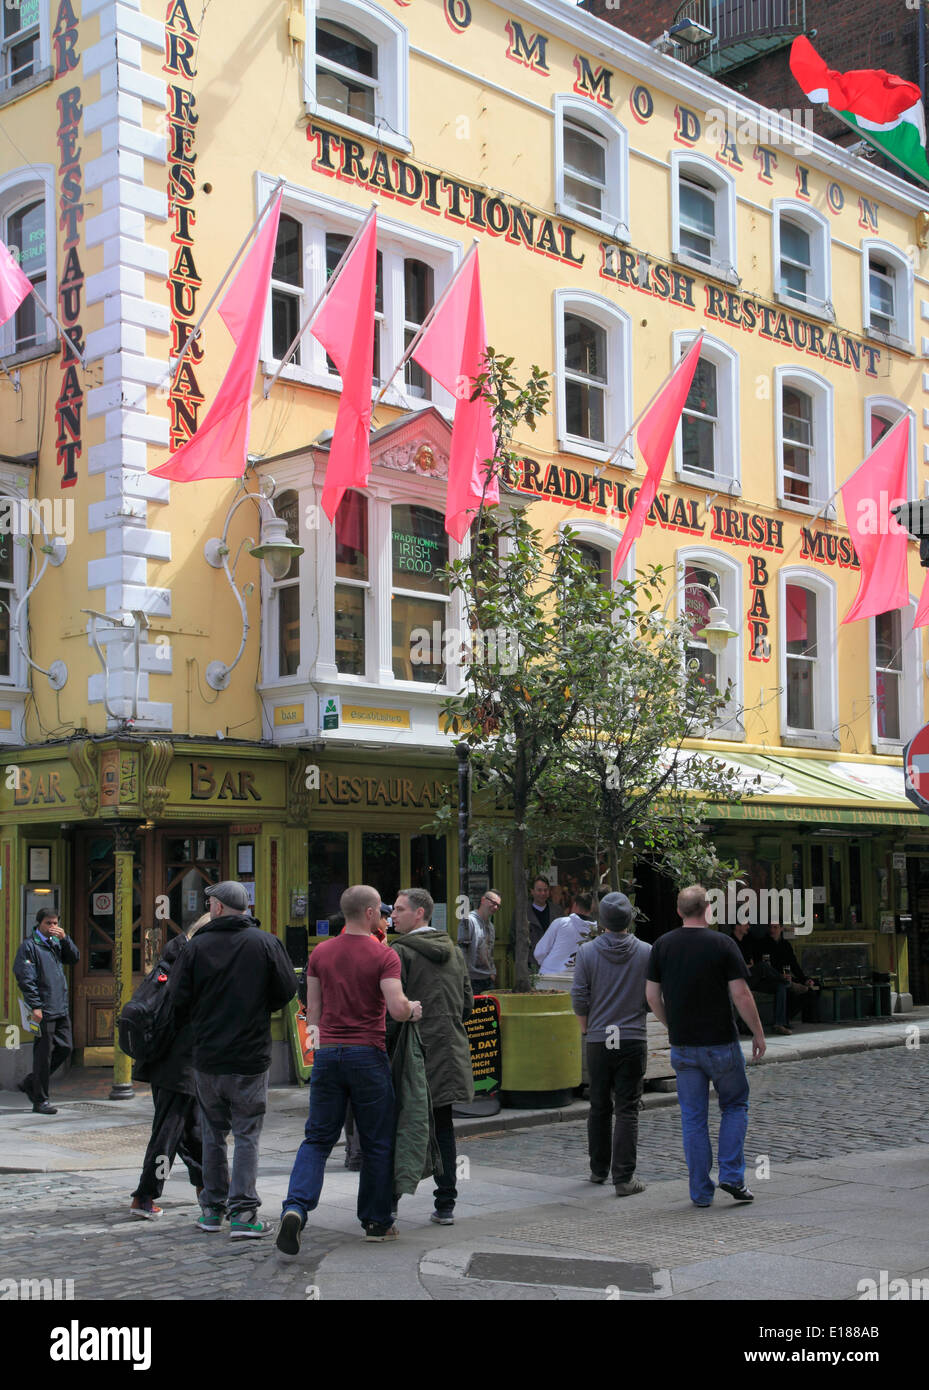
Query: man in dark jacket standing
[39, 971]
[176, 1123]
[608, 996]
[434, 971]
[229, 981]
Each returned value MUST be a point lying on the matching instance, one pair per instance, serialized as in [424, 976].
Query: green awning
[818, 791]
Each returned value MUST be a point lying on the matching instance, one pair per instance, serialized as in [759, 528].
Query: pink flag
[655, 435]
[877, 485]
[14, 284]
[345, 327]
[219, 449]
[452, 350]
[922, 608]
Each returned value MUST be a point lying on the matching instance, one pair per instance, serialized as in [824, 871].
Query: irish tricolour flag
[886, 110]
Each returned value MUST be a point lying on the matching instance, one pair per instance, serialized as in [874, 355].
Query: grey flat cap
[230, 894]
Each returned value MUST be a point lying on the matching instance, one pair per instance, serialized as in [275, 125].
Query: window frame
[818, 303]
[729, 435]
[391, 124]
[319, 215]
[901, 336]
[317, 580]
[825, 688]
[890, 405]
[822, 475]
[911, 684]
[17, 682]
[729, 662]
[618, 392]
[615, 219]
[598, 534]
[18, 189]
[42, 68]
[723, 266]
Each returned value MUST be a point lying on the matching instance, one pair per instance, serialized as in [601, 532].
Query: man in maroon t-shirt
[351, 981]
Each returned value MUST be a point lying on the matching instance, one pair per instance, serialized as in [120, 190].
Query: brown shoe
[779, 1028]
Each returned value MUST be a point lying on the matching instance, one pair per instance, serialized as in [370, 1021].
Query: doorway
[170, 871]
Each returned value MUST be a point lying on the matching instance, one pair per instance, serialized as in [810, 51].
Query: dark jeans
[236, 1103]
[766, 980]
[52, 1047]
[175, 1130]
[445, 1190]
[617, 1075]
[360, 1074]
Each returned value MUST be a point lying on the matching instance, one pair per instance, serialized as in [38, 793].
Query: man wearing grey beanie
[228, 982]
[608, 996]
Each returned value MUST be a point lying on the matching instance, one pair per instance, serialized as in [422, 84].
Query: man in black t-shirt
[695, 975]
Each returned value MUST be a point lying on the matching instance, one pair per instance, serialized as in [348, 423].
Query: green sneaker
[211, 1219]
[246, 1226]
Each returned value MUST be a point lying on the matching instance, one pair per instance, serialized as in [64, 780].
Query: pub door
[185, 862]
[171, 869]
[93, 930]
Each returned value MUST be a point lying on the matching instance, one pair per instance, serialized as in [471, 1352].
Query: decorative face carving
[424, 458]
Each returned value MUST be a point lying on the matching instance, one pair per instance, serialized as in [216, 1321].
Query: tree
[566, 680]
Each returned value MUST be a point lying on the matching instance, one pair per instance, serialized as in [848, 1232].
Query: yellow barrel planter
[540, 1042]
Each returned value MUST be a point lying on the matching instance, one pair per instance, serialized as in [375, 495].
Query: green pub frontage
[839, 832]
[122, 836]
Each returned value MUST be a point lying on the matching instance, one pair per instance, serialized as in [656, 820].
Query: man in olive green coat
[431, 961]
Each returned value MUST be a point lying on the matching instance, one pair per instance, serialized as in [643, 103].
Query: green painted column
[123, 856]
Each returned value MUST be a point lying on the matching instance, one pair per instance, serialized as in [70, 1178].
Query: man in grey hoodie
[608, 996]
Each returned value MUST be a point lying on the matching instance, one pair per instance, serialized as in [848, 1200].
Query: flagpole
[318, 305]
[646, 408]
[174, 363]
[423, 326]
[6, 372]
[60, 326]
[865, 135]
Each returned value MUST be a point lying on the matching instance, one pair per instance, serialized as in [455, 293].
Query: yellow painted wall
[474, 114]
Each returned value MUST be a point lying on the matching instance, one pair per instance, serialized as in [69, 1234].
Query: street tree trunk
[520, 897]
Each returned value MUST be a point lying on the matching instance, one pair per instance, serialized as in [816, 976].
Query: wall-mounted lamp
[716, 632]
[274, 549]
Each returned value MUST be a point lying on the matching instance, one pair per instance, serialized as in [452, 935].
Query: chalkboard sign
[483, 1029]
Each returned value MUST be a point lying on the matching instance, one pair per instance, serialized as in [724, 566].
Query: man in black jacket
[228, 982]
[176, 1123]
[38, 968]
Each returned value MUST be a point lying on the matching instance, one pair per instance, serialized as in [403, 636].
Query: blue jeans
[696, 1067]
[340, 1074]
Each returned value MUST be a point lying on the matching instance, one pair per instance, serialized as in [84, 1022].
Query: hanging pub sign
[483, 1029]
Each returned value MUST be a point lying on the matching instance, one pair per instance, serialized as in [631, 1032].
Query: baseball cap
[230, 894]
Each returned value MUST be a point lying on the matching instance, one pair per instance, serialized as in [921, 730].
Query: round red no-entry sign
[916, 768]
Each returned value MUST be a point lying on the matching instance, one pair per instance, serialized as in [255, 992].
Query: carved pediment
[415, 443]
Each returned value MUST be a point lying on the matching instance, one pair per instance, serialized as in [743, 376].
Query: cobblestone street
[824, 1109]
[76, 1225]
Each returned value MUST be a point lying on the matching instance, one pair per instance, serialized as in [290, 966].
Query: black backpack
[146, 1026]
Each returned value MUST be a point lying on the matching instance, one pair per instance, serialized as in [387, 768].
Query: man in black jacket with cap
[229, 981]
[39, 972]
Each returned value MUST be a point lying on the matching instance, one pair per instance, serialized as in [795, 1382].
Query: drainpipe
[922, 51]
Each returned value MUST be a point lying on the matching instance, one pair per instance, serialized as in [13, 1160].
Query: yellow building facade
[621, 202]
